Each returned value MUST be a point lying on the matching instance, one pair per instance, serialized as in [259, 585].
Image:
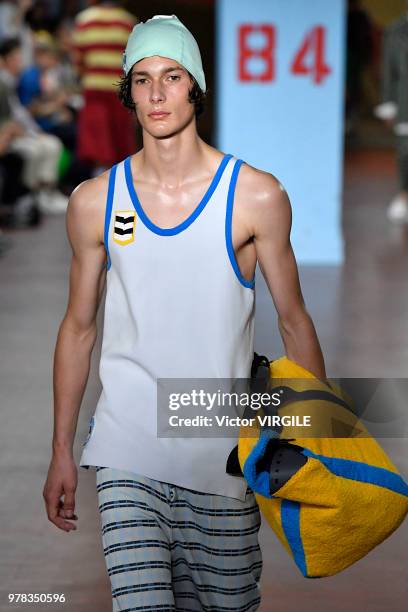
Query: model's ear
[233, 467]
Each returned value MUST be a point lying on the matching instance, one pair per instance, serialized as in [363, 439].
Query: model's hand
[61, 481]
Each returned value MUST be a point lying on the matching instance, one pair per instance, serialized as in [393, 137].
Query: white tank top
[176, 306]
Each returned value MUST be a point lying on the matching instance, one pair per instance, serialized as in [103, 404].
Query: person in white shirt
[40, 151]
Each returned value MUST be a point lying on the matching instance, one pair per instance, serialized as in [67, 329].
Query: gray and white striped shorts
[170, 548]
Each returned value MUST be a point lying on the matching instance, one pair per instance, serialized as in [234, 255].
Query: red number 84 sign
[309, 59]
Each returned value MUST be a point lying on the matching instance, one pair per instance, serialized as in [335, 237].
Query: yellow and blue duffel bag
[330, 500]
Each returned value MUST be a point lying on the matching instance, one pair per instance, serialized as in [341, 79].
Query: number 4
[313, 46]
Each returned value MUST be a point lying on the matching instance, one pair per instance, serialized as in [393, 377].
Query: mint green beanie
[166, 36]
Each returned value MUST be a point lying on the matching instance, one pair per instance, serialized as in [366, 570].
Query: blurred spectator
[41, 88]
[18, 208]
[13, 25]
[41, 152]
[106, 129]
[42, 15]
[77, 170]
[64, 36]
[359, 56]
[17, 205]
[394, 106]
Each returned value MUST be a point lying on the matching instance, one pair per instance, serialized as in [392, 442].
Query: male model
[180, 227]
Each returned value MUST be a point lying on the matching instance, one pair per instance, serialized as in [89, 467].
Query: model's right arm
[75, 341]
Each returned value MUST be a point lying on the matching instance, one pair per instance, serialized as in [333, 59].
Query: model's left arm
[271, 230]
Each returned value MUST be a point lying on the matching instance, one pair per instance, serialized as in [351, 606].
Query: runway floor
[360, 312]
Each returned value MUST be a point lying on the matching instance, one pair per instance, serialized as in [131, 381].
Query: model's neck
[171, 160]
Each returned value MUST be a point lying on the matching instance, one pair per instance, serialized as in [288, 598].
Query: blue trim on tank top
[108, 212]
[171, 231]
[228, 227]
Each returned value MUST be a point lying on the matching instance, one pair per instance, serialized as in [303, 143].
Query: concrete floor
[360, 315]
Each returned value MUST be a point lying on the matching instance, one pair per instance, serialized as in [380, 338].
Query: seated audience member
[14, 23]
[43, 90]
[18, 207]
[41, 152]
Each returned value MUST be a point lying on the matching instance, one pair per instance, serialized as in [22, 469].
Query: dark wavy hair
[196, 95]
[8, 45]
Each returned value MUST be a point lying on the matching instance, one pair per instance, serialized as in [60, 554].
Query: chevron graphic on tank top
[124, 226]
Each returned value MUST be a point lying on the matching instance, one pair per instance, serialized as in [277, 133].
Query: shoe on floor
[397, 210]
[23, 213]
[5, 242]
[51, 201]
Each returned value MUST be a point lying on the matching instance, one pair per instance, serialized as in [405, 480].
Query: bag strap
[260, 372]
[290, 395]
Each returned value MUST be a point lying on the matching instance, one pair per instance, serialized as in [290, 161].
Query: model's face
[160, 89]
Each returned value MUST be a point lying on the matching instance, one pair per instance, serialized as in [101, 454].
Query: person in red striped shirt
[106, 130]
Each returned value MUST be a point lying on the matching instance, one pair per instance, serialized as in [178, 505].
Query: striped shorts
[170, 548]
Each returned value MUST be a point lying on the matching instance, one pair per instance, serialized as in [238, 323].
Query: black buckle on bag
[259, 382]
[259, 367]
